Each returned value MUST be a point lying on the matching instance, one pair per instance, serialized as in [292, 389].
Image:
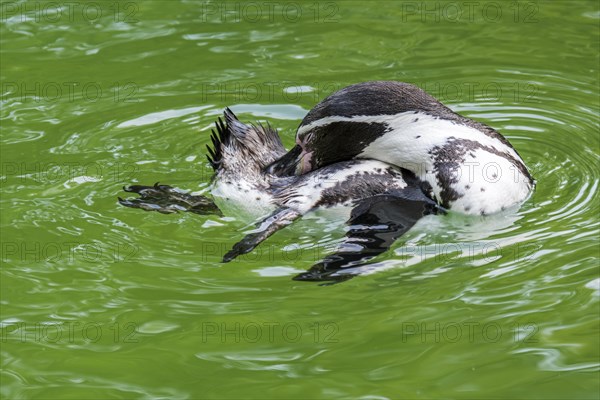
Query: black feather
[219, 139]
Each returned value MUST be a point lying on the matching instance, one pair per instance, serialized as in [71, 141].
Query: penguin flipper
[281, 218]
[375, 224]
[167, 200]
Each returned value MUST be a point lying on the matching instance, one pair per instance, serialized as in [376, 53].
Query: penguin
[383, 201]
[469, 167]
[387, 151]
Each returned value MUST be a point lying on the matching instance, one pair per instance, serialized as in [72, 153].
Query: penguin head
[341, 126]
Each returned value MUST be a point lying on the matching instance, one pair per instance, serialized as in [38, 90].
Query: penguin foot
[281, 218]
[167, 200]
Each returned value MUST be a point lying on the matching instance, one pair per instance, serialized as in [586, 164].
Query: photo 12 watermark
[471, 91]
[269, 332]
[465, 252]
[266, 91]
[70, 92]
[467, 332]
[68, 332]
[446, 92]
[30, 252]
[66, 172]
[67, 12]
[320, 12]
[469, 11]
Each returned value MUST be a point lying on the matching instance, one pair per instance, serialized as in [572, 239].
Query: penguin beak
[304, 163]
[290, 164]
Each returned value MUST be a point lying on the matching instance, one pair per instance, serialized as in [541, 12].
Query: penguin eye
[308, 138]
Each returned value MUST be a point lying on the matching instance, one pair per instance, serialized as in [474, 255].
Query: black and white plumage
[470, 167]
[372, 189]
[388, 150]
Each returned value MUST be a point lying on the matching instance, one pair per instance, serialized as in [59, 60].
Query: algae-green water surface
[103, 301]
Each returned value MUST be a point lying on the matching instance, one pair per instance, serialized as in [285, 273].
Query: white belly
[485, 182]
[241, 199]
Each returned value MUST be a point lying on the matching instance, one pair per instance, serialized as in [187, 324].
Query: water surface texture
[102, 301]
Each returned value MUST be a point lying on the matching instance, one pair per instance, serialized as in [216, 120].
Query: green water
[101, 301]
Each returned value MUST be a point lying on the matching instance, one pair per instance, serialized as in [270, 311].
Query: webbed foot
[268, 226]
[375, 224]
[167, 200]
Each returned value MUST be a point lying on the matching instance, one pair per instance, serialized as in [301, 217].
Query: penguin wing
[375, 224]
